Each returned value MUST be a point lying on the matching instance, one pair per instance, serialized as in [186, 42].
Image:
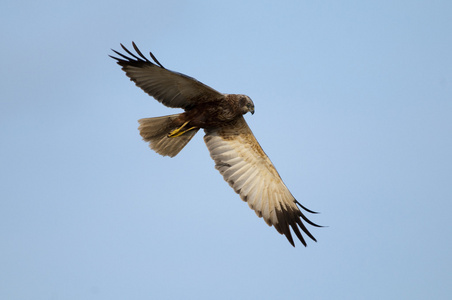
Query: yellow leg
[178, 131]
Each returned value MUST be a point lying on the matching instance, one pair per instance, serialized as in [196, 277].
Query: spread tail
[156, 131]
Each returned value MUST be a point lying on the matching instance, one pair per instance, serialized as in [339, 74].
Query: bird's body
[214, 114]
[236, 152]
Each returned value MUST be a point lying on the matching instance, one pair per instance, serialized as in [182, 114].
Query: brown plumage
[236, 152]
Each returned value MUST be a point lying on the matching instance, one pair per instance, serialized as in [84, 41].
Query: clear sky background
[353, 105]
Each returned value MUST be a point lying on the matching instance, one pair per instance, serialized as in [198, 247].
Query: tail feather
[155, 131]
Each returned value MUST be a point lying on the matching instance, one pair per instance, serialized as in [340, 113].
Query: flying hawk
[236, 152]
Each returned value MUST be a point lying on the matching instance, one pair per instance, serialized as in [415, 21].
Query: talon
[178, 131]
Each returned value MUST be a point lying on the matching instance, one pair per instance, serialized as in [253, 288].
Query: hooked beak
[252, 111]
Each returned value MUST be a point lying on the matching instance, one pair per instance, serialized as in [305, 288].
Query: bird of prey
[236, 152]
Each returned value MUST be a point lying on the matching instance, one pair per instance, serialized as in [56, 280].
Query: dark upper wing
[248, 170]
[170, 88]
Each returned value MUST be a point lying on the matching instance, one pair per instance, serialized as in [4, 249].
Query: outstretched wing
[171, 88]
[248, 170]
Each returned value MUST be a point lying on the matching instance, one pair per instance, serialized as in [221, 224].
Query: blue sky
[353, 105]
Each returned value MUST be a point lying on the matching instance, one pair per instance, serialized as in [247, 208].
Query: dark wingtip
[134, 58]
[296, 223]
[139, 52]
[306, 209]
[155, 59]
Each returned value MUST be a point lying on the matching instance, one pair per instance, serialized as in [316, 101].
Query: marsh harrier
[236, 152]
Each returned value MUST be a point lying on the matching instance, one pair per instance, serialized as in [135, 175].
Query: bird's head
[246, 104]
